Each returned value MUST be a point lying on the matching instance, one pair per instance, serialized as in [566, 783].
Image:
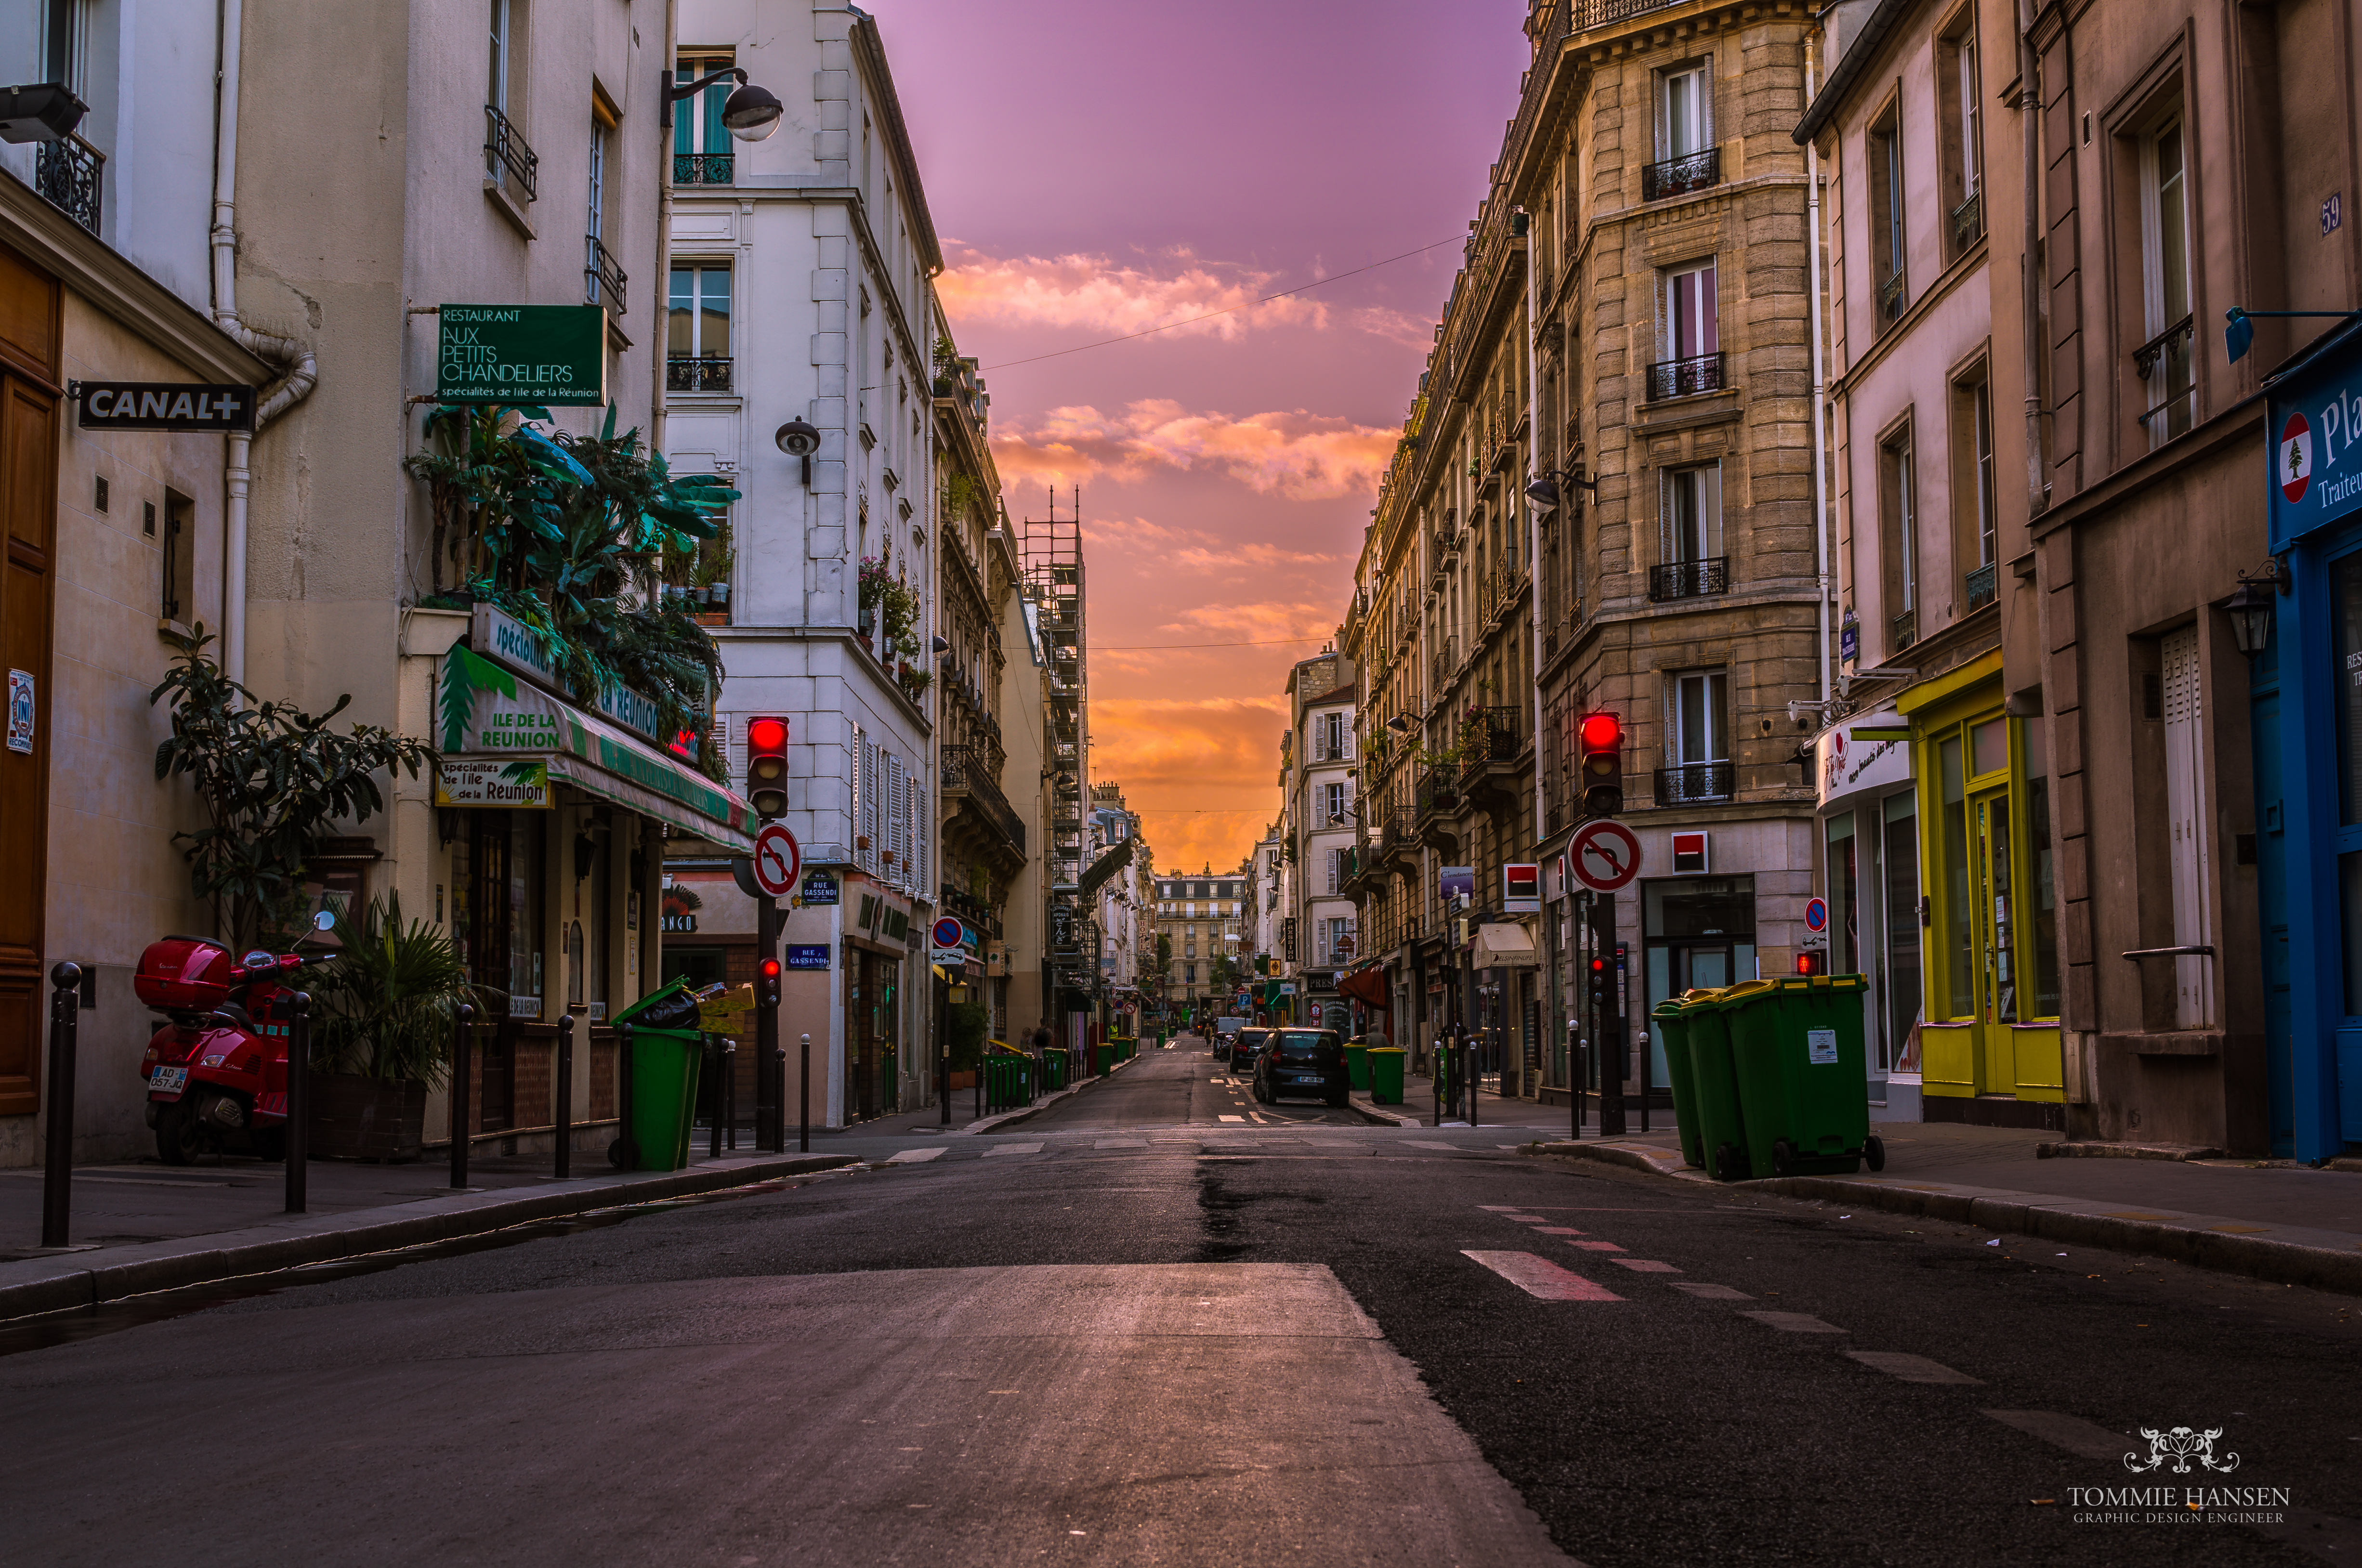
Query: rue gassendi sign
[546, 354]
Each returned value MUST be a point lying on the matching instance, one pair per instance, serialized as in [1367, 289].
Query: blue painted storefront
[2308, 730]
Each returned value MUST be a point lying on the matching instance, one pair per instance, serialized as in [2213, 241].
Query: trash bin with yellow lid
[1804, 1095]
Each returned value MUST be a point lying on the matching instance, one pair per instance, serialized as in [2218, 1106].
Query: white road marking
[1910, 1368]
[1556, 1231]
[1012, 1149]
[1644, 1265]
[1500, 1209]
[917, 1157]
[1709, 1292]
[1793, 1322]
[1540, 1276]
[1524, 1218]
[1229, 1119]
[1596, 1246]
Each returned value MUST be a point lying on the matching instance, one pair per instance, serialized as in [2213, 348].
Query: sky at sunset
[1097, 169]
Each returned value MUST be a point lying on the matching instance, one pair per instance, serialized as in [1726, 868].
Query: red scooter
[217, 1072]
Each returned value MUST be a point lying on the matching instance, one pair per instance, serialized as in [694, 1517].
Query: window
[66, 45]
[1962, 136]
[1336, 881]
[1333, 803]
[2164, 361]
[603, 279]
[1975, 539]
[1693, 335]
[1686, 157]
[496, 85]
[1691, 536]
[180, 560]
[1898, 541]
[1884, 151]
[702, 151]
[2186, 825]
[697, 346]
[1698, 740]
[1332, 738]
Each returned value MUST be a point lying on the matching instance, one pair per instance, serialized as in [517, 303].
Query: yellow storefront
[1989, 913]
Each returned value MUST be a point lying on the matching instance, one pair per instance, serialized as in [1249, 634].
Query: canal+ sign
[2315, 425]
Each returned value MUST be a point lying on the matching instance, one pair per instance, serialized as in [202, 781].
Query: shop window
[1900, 892]
[180, 559]
[2345, 612]
[2349, 883]
[1696, 932]
[2042, 894]
[523, 897]
[1959, 932]
[1845, 947]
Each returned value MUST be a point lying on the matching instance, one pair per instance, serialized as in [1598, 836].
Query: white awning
[1505, 947]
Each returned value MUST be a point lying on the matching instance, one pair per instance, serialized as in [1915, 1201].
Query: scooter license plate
[167, 1080]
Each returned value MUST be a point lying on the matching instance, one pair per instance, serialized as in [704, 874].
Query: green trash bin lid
[633, 1009]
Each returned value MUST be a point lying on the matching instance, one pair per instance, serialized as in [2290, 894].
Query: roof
[1344, 693]
[1859, 55]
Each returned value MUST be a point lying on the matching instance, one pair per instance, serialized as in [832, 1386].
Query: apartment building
[1321, 813]
[1203, 917]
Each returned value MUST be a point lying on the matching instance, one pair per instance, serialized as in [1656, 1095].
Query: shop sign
[820, 887]
[811, 958]
[1521, 890]
[22, 711]
[2315, 425]
[1454, 881]
[1845, 764]
[518, 353]
[488, 781]
[164, 406]
[505, 640]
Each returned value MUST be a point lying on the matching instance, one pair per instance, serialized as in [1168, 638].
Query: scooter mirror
[325, 921]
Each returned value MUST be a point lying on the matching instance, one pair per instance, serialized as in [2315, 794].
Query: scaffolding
[1053, 557]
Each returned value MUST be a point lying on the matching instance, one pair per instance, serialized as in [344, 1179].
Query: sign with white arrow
[778, 863]
[1605, 856]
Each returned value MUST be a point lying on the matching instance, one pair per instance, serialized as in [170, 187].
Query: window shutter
[1336, 876]
[922, 839]
[894, 807]
[2186, 823]
[1710, 508]
[869, 823]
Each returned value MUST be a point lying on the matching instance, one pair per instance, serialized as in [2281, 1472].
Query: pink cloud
[1295, 454]
[1097, 293]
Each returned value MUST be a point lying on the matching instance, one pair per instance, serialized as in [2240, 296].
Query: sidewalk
[1515, 1115]
[2277, 1222]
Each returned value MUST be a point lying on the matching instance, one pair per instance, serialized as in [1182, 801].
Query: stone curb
[1361, 1105]
[77, 1280]
[2189, 1238]
[1012, 1118]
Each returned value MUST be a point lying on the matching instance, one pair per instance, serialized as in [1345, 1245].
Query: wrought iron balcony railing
[1590, 14]
[506, 149]
[965, 770]
[1692, 782]
[687, 373]
[1680, 176]
[2164, 363]
[1397, 831]
[1902, 631]
[1893, 297]
[704, 168]
[1685, 378]
[1437, 791]
[1488, 737]
[70, 175]
[1689, 579]
[1968, 222]
[603, 279]
[1980, 586]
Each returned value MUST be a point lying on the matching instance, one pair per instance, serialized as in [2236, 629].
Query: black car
[1301, 1064]
[1247, 1046]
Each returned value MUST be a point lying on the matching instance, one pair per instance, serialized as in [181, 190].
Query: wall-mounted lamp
[799, 438]
[750, 114]
[2251, 610]
[1544, 492]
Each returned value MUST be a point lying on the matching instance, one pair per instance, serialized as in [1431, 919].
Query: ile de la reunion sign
[518, 353]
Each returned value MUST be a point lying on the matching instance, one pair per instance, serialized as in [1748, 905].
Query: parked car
[1245, 1048]
[1301, 1064]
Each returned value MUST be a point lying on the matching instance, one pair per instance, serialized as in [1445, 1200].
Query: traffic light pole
[1608, 1030]
[770, 1079]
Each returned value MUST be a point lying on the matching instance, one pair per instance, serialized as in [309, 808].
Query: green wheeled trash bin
[1385, 1071]
[1796, 1045]
[664, 1063]
[1673, 1032]
[1357, 1063]
[1103, 1058]
[1714, 1089]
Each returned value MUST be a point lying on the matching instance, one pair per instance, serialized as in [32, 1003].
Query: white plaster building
[1321, 807]
[801, 289]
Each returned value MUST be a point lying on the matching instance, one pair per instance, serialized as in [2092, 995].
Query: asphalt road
[1177, 1341]
[1179, 1085]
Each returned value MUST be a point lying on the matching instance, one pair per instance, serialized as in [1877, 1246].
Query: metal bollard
[730, 1090]
[56, 1175]
[803, 1097]
[299, 1098]
[565, 1118]
[624, 1153]
[713, 1131]
[463, 1042]
[779, 1100]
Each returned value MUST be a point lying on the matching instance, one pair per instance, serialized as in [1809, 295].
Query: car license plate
[1307, 1078]
[167, 1080]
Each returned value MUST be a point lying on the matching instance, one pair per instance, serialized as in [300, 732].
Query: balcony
[1901, 631]
[1487, 736]
[1685, 378]
[1692, 783]
[1981, 586]
[1590, 14]
[1680, 176]
[966, 772]
[2172, 395]
[1439, 791]
[704, 168]
[70, 176]
[506, 149]
[1968, 222]
[603, 279]
[696, 373]
[1689, 579]
[1893, 298]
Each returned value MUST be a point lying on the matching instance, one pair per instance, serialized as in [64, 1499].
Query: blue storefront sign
[2307, 717]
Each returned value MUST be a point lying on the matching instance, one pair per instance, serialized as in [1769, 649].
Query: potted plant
[385, 1012]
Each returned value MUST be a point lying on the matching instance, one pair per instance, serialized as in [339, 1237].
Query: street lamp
[750, 114]
[799, 438]
[40, 111]
[2251, 610]
[1544, 492]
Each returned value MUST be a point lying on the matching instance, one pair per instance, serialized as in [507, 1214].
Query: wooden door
[30, 414]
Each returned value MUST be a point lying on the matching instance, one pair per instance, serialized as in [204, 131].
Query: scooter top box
[184, 974]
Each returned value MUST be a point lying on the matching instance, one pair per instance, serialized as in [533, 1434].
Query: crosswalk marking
[1645, 1265]
[1556, 1231]
[1911, 1368]
[1229, 1119]
[1500, 1208]
[1709, 1292]
[1596, 1246]
[1793, 1322]
[916, 1156]
[1541, 1277]
[1012, 1149]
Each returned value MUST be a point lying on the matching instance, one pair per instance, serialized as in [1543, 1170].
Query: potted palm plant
[385, 1010]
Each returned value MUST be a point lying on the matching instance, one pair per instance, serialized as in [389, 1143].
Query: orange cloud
[1202, 773]
[1295, 454]
[1100, 295]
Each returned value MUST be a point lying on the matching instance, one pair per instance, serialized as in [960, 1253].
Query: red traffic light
[767, 765]
[768, 991]
[1601, 731]
[1808, 963]
[770, 969]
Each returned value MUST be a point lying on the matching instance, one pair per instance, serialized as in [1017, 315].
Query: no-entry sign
[1605, 856]
[778, 860]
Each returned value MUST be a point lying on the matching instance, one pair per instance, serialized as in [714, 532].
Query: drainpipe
[1821, 551]
[298, 372]
[663, 233]
[1534, 517]
[2029, 106]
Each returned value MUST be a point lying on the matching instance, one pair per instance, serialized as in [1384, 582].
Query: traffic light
[1602, 989]
[767, 766]
[767, 990]
[1600, 739]
[1808, 963]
